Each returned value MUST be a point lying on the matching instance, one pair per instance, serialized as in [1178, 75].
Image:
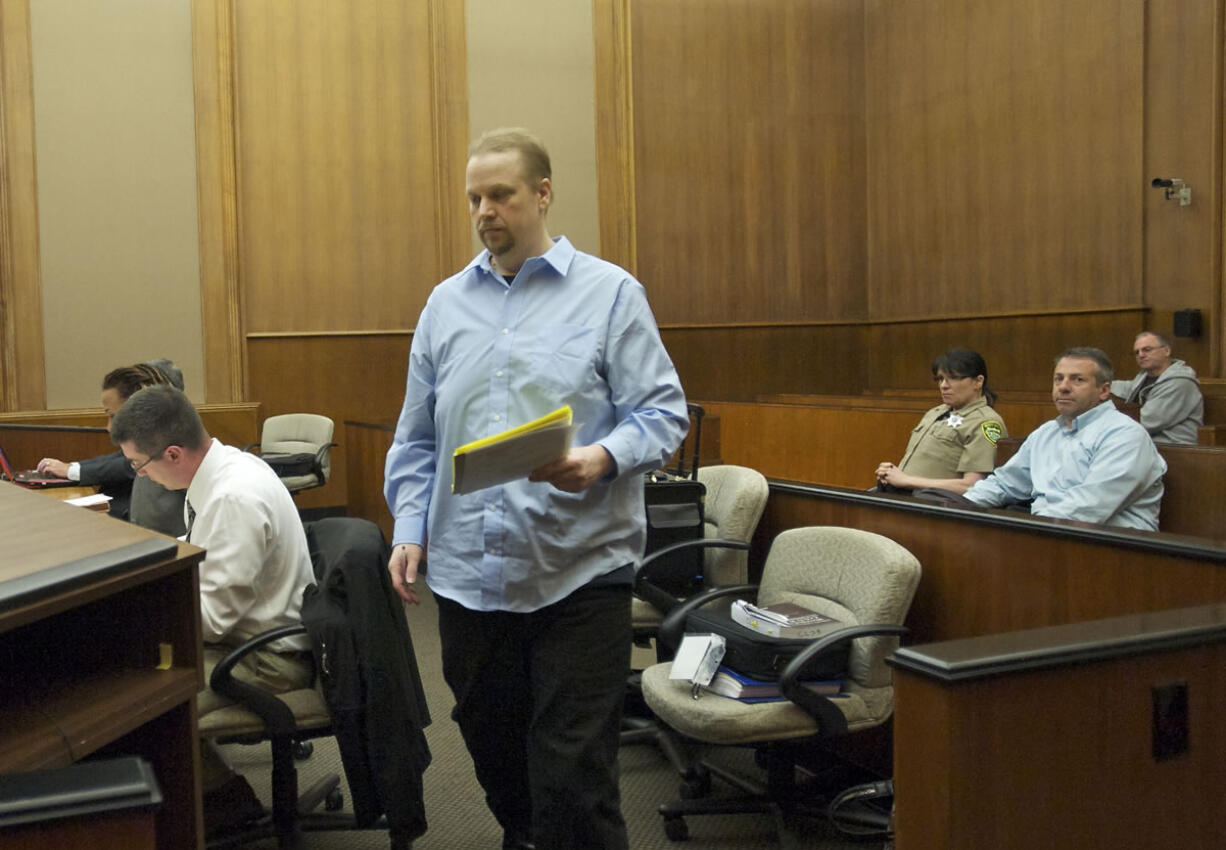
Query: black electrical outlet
[1170, 720]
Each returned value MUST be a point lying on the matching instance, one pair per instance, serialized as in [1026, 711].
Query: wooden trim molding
[22, 356]
[225, 372]
[449, 94]
[615, 132]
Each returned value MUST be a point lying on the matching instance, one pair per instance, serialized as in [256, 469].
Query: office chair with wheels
[863, 580]
[298, 448]
[366, 677]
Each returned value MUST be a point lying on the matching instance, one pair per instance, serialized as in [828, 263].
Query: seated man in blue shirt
[1090, 463]
[533, 577]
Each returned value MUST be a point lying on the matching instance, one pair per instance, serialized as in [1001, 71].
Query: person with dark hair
[255, 567]
[1091, 463]
[954, 444]
[1172, 407]
[146, 503]
[533, 577]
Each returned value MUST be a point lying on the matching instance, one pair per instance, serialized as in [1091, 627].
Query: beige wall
[530, 65]
[115, 148]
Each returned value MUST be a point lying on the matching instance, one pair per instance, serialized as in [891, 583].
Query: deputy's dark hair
[157, 417]
[1102, 363]
[964, 363]
[126, 380]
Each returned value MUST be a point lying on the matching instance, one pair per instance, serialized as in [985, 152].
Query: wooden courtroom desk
[1064, 737]
[81, 626]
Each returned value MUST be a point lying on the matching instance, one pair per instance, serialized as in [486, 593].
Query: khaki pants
[275, 672]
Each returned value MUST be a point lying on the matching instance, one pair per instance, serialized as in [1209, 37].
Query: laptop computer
[31, 477]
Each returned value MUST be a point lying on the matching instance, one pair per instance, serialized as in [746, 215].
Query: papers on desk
[512, 454]
[89, 501]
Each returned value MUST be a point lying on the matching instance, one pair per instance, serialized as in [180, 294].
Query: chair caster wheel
[676, 828]
[693, 789]
[303, 750]
[335, 801]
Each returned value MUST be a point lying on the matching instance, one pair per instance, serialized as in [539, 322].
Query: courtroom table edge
[969, 659]
[1164, 542]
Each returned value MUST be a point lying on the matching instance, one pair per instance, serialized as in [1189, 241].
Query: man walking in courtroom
[533, 577]
[1091, 463]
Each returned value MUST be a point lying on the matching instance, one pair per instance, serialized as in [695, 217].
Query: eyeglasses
[1146, 349]
[137, 467]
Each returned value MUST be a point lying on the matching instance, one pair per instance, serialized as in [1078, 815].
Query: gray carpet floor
[455, 808]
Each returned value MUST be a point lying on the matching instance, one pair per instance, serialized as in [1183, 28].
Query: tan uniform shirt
[945, 446]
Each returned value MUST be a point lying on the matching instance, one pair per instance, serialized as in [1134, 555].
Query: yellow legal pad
[513, 453]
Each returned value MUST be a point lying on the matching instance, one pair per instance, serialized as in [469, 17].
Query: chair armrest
[278, 719]
[673, 625]
[320, 454]
[659, 598]
[251, 446]
[830, 721]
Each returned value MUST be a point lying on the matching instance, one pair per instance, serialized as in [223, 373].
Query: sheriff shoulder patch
[992, 430]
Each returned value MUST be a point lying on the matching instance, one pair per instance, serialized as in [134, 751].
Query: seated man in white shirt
[1091, 463]
[255, 568]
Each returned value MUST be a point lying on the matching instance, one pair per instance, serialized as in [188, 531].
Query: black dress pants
[538, 701]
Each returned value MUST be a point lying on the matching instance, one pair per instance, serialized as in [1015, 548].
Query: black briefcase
[674, 515]
[674, 500]
[761, 656]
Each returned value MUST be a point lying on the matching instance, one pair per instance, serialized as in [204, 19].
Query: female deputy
[954, 445]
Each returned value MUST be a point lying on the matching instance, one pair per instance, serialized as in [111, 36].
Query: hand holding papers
[511, 454]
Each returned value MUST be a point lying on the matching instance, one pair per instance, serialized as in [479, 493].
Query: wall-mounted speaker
[1187, 323]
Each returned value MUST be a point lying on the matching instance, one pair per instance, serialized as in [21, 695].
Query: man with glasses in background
[254, 571]
[1172, 407]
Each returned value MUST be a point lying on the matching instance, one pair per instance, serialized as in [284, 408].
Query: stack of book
[729, 683]
[781, 620]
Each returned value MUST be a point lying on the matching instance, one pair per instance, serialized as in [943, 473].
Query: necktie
[191, 518]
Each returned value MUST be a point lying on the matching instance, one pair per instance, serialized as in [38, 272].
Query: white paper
[88, 501]
[511, 459]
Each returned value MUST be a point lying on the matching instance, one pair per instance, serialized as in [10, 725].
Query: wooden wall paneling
[839, 445]
[1019, 349]
[615, 131]
[745, 362]
[221, 298]
[1004, 144]
[748, 159]
[337, 162]
[22, 370]
[742, 363]
[1183, 138]
[365, 450]
[360, 377]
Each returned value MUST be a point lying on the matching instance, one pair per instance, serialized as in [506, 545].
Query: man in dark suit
[143, 502]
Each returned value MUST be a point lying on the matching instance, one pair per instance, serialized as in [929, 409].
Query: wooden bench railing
[988, 571]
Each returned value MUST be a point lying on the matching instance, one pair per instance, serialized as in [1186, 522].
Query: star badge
[954, 420]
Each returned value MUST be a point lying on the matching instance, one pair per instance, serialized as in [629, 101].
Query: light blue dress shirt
[1104, 468]
[487, 356]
